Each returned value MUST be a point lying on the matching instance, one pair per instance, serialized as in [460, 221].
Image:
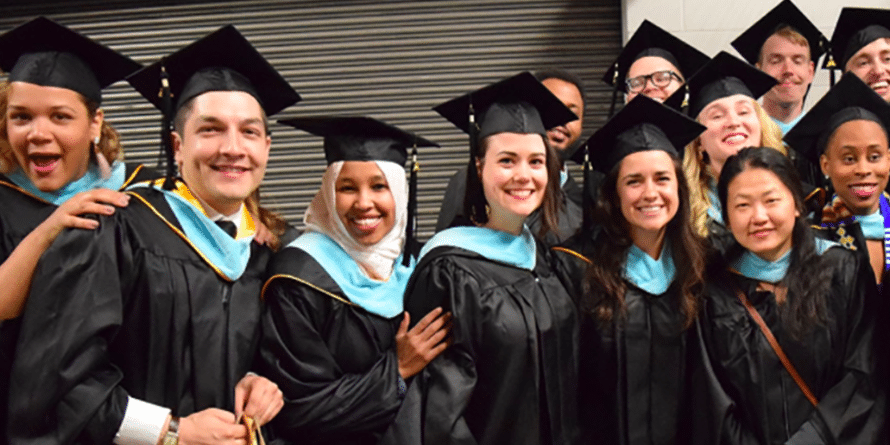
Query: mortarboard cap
[725, 75]
[45, 53]
[750, 43]
[221, 61]
[856, 28]
[849, 100]
[643, 124]
[650, 40]
[360, 138]
[518, 104]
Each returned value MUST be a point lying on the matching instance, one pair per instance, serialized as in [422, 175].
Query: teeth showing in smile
[367, 221]
[521, 194]
[230, 169]
[735, 138]
[863, 190]
[650, 209]
[881, 84]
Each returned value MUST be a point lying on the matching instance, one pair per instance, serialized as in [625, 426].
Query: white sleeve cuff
[143, 423]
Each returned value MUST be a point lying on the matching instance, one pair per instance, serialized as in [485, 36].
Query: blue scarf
[872, 225]
[651, 275]
[715, 210]
[752, 266]
[787, 127]
[229, 256]
[384, 298]
[563, 177]
[91, 180]
[518, 251]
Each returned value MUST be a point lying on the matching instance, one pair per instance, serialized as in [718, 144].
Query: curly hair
[604, 285]
[700, 177]
[109, 142]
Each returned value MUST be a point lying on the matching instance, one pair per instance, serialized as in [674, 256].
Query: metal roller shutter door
[390, 60]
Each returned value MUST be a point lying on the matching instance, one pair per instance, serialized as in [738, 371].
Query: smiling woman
[637, 278]
[846, 134]
[722, 96]
[57, 155]
[514, 323]
[813, 300]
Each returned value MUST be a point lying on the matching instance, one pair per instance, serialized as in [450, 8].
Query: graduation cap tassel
[411, 229]
[831, 65]
[166, 127]
[472, 174]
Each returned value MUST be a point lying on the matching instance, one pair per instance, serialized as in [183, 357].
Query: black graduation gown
[21, 213]
[510, 377]
[451, 213]
[636, 375]
[132, 309]
[762, 404]
[335, 362]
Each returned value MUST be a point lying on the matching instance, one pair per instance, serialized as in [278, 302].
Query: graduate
[637, 305]
[846, 134]
[653, 63]
[861, 45]
[145, 328]
[58, 156]
[335, 337]
[785, 44]
[511, 374]
[569, 89]
[722, 96]
[789, 319]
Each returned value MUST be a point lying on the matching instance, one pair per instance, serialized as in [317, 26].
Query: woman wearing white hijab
[335, 339]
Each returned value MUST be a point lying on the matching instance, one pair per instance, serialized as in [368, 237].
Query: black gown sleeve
[852, 411]
[446, 385]
[322, 402]
[67, 389]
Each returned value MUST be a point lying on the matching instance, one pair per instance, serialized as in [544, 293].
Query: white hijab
[321, 216]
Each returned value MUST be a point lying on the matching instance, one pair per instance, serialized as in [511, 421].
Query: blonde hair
[109, 142]
[699, 175]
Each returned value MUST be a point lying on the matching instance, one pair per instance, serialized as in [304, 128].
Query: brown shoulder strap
[777, 349]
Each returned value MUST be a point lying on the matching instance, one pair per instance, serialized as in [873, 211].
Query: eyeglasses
[660, 79]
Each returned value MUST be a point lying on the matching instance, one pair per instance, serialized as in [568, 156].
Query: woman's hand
[259, 398]
[98, 201]
[424, 342]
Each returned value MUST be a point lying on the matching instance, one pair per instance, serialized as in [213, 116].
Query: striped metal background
[389, 60]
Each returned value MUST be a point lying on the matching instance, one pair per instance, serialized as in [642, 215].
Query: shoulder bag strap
[777, 349]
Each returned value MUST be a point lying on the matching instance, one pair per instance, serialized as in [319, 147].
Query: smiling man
[861, 45]
[785, 45]
[144, 331]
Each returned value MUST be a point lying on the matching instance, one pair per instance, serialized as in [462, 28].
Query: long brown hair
[475, 203]
[109, 142]
[604, 285]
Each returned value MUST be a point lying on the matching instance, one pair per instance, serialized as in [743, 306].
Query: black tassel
[167, 128]
[473, 208]
[411, 228]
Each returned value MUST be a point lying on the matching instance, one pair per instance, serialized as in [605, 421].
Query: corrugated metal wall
[389, 60]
